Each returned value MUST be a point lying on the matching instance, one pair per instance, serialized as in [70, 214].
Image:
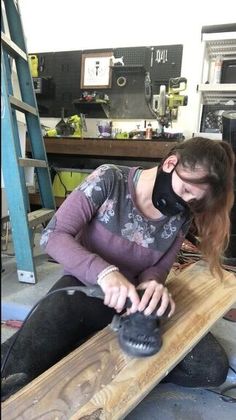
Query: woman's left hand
[154, 293]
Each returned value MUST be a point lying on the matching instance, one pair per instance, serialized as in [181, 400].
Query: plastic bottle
[33, 63]
[217, 69]
[148, 134]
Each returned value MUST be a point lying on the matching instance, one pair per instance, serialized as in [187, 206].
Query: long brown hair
[212, 214]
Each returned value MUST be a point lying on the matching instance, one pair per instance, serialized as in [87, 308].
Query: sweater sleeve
[61, 238]
[160, 271]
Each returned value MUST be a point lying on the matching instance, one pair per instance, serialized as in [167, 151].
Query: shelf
[217, 87]
[220, 44]
[105, 150]
[36, 200]
[92, 109]
[223, 44]
[135, 68]
[217, 93]
[213, 136]
[146, 149]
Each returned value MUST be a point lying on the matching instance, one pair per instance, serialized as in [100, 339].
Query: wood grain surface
[98, 381]
[142, 149]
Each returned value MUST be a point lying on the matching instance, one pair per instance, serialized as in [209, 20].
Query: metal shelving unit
[217, 93]
[215, 44]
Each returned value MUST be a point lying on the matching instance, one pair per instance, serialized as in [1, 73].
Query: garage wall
[74, 25]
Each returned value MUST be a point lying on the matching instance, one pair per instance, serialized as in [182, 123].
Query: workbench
[89, 153]
[138, 149]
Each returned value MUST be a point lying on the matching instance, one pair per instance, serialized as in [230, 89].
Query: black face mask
[164, 198]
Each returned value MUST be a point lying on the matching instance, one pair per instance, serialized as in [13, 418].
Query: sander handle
[97, 292]
[177, 84]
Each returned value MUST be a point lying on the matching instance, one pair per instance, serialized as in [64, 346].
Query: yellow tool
[176, 86]
[165, 105]
[73, 127]
[33, 63]
[75, 122]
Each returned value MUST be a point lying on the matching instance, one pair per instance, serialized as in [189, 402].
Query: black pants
[62, 322]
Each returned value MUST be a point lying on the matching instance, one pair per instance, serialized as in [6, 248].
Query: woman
[122, 229]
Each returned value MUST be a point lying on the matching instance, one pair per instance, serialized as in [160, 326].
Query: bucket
[65, 182]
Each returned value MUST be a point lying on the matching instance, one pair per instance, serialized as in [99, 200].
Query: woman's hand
[155, 292]
[117, 289]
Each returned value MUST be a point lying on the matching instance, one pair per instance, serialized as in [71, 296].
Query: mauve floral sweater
[99, 225]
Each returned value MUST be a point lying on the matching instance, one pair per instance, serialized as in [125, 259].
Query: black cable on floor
[69, 290]
[222, 393]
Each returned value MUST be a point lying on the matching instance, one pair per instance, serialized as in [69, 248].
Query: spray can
[33, 62]
[148, 134]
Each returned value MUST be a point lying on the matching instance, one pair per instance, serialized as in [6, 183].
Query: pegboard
[132, 56]
[127, 101]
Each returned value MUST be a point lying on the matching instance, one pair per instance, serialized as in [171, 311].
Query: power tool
[176, 85]
[74, 126]
[165, 105]
[63, 128]
[139, 335]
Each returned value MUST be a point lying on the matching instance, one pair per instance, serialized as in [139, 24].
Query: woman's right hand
[117, 289]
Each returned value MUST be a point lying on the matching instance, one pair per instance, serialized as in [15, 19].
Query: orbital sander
[139, 335]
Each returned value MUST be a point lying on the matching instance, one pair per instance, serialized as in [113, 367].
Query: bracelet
[106, 271]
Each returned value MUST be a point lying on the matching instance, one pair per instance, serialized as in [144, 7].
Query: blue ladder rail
[13, 163]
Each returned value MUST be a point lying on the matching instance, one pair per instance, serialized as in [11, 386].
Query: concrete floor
[166, 401]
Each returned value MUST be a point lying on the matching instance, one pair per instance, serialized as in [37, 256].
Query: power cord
[62, 183]
[223, 393]
[94, 292]
[70, 291]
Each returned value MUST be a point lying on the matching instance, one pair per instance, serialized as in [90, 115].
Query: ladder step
[22, 106]
[12, 48]
[30, 188]
[33, 163]
[5, 219]
[37, 217]
[22, 220]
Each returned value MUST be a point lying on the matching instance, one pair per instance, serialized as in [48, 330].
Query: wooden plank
[98, 381]
[142, 149]
[37, 217]
[36, 200]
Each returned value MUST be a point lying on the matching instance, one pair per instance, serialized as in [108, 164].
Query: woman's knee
[205, 366]
[66, 281]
